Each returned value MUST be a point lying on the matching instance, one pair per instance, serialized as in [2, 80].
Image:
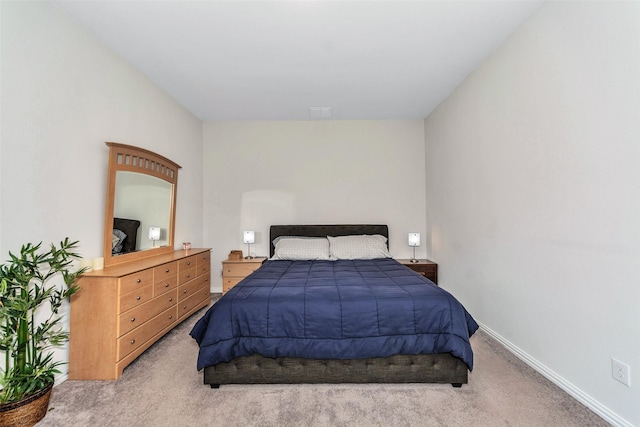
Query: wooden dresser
[234, 270]
[122, 310]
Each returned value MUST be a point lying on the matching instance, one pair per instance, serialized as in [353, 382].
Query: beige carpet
[163, 388]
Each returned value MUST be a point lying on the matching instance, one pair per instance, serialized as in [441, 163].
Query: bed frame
[255, 369]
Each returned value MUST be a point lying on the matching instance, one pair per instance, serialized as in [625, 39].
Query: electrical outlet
[620, 372]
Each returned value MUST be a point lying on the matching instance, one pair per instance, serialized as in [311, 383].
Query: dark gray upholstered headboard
[325, 230]
[130, 228]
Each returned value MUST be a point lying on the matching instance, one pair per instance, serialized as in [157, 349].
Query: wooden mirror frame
[134, 159]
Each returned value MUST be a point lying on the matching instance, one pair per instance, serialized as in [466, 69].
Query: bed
[317, 319]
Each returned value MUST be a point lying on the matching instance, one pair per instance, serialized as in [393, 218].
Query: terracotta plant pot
[26, 412]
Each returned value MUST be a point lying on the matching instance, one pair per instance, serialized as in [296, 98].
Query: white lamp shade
[249, 237]
[414, 239]
[154, 233]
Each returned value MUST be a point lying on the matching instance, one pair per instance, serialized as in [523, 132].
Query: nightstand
[427, 268]
[234, 270]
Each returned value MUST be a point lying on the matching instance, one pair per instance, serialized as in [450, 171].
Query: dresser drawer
[136, 280]
[135, 298]
[426, 268]
[204, 263]
[203, 258]
[428, 271]
[188, 262]
[192, 287]
[229, 282]
[186, 275]
[203, 268]
[139, 315]
[165, 270]
[165, 285]
[184, 307]
[134, 339]
[239, 269]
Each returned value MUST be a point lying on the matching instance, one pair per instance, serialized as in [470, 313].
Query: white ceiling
[273, 60]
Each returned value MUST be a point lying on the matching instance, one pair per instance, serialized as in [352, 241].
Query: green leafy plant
[28, 332]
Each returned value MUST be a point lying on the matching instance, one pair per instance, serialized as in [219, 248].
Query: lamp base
[248, 252]
[413, 260]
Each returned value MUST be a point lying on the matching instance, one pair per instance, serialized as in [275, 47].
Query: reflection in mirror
[140, 209]
[140, 203]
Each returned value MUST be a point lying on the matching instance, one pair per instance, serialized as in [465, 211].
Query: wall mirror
[140, 208]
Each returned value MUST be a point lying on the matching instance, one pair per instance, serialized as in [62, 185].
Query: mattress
[345, 309]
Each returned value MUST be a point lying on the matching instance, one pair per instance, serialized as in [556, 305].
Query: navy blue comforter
[334, 310]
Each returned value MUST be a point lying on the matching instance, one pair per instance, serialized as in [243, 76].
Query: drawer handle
[166, 285]
[188, 275]
[133, 319]
[170, 299]
[138, 298]
[133, 341]
[185, 307]
[167, 270]
[184, 292]
[139, 280]
[189, 263]
[170, 316]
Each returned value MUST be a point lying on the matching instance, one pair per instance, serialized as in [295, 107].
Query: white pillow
[358, 247]
[301, 248]
[117, 240]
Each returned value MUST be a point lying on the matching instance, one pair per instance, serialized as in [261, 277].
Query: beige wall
[63, 95]
[305, 172]
[531, 176]
[533, 197]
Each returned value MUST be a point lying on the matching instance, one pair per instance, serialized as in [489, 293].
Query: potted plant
[30, 327]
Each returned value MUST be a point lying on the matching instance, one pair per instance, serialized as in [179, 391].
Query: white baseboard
[582, 397]
[60, 378]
